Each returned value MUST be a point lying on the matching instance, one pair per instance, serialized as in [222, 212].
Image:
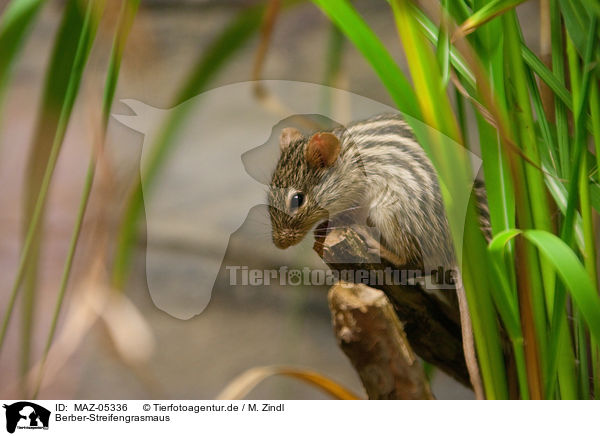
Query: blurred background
[242, 327]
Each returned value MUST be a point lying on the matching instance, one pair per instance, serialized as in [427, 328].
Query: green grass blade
[508, 304]
[560, 107]
[434, 103]
[580, 175]
[15, 23]
[39, 178]
[554, 80]
[61, 91]
[126, 17]
[46, 135]
[499, 186]
[558, 340]
[577, 21]
[582, 353]
[490, 11]
[452, 169]
[461, 116]
[443, 45]
[580, 102]
[548, 149]
[356, 30]
[431, 32]
[560, 355]
[546, 75]
[595, 113]
[560, 195]
[505, 298]
[532, 208]
[573, 275]
[569, 269]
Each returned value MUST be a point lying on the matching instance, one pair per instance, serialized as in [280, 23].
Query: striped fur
[382, 177]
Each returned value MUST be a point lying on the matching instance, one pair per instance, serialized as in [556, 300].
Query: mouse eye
[296, 201]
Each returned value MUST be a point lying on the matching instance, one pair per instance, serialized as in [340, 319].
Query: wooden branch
[432, 326]
[372, 337]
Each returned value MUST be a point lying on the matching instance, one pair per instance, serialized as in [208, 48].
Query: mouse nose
[286, 238]
[280, 243]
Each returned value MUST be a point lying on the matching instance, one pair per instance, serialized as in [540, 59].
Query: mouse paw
[375, 248]
[391, 257]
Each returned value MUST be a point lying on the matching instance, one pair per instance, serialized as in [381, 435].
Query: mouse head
[297, 200]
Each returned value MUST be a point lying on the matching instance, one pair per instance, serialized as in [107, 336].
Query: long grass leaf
[61, 91]
[499, 187]
[580, 101]
[356, 30]
[128, 11]
[595, 114]
[15, 23]
[572, 273]
[443, 45]
[485, 14]
[508, 304]
[577, 21]
[505, 298]
[452, 169]
[532, 208]
[431, 32]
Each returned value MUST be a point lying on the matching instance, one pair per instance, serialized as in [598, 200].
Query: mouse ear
[287, 136]
[322, 149]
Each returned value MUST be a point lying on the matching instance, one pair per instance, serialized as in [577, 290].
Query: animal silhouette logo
[26, 415]
[205, 184]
